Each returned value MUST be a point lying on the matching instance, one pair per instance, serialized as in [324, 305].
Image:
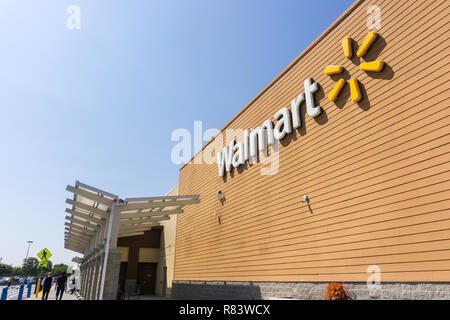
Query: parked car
[5, 280]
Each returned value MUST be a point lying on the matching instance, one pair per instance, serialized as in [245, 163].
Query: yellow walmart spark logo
[355, 92]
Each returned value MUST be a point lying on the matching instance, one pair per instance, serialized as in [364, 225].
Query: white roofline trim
[146, 199]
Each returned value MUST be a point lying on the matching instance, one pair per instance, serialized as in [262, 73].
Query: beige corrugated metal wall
[377, 171]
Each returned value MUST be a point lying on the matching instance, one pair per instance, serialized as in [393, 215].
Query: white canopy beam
[71, 234]
[74, 237]
[75, 243]
[149, 213]
[80, 230]
[84, 216]
[88, 208]
[78, 244]
[83, 243]
[84, 224]
[121, 235]
[90, 195]
[138, 228]
[142, 220]
[87, 235]
[91, 188]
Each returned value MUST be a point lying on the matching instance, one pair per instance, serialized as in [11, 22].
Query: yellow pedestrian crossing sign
[43, 263]
[44, 254]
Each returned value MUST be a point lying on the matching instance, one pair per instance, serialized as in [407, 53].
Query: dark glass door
[147, 277]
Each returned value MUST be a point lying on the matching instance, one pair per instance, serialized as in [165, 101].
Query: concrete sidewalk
[52, 295]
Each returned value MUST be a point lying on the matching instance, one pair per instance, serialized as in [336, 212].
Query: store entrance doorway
[146, 277]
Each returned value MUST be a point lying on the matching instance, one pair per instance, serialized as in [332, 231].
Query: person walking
[61, 285]
[46, 286]
[71, 284]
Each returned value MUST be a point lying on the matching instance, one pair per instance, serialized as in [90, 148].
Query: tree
[30, 267]
[6, 270]
[17, 271]
[58, 269]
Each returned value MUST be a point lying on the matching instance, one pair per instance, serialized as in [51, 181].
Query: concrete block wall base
[306, 290]
[111, 287]
[90, 278]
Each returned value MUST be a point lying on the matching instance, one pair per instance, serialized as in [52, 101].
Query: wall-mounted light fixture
[305, 199]
[217, 215]
[220, 196]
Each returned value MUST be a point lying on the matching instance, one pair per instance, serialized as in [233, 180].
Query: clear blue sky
[99, 104]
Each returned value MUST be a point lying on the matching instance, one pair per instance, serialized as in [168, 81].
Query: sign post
[43, 255]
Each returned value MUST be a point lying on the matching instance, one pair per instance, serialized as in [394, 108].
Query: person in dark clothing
[46, 286]
[61, 284]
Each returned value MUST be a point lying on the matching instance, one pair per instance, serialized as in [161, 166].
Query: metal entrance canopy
[91, 209]
[98, 218]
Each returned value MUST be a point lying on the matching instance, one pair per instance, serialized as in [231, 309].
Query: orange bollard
[38, 284]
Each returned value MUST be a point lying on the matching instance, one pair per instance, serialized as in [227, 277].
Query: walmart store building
[354, 186]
